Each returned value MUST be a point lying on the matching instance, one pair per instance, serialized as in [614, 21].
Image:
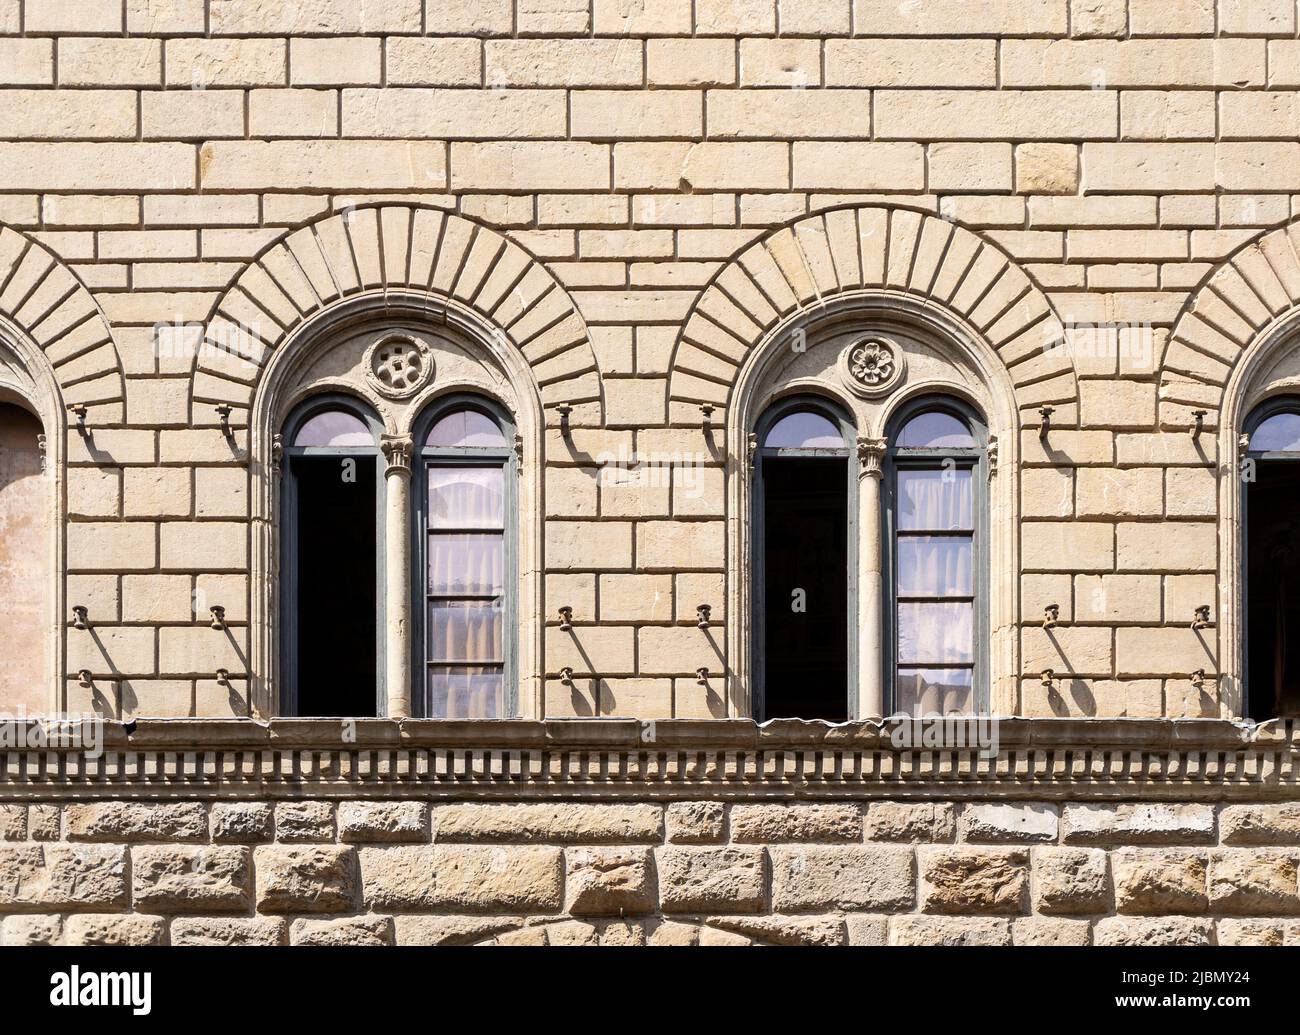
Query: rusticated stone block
[1159, 930]
[563, 822]
[1001, 822]
[1231, 931]
[670, 932]
[706, 880]
[31, 930]
[696, 822]
[1149, 881]
[973, 880]
[1159, 823]
[13, 822]
[867, 929]
[228, 930]
[914, 929]
[208, 879]
[819, 877]
[714, 937]
[463, 878]
[307, 879]
[909, 821]
[622, 932]
[136, 821]
[383, 821]
[1264, 824]
[242, 821]
[784, 930]
[1071, 880]
[346, 930]
[764, 824]
[62, 876]
[304, 821]
[609, 881]
[451, 930]
[1049, 930]
[1244, 880]
[43, 822]
[113, 929]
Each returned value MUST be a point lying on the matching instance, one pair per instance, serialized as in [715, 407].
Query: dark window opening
[805, 661]
[1273, 589]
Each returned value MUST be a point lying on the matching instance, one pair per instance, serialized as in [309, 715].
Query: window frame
[422, 457]
[287, 517]
[838, 415]
[925, 458]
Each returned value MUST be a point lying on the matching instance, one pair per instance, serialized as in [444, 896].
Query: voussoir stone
[62, 876]
[190, 879]
[228, 930]
[136, 821]
[345, 930]
[819, 877]
[463, 878]
[609, 881]
[1265, 824]
[383, 821]
[765, 824]
[973, 880]
[1000, 822]
[707, 880]
[1132, 824]
[1160, 930]
[911, 822]
[560, 822]
[916, 929]
[1253, 881]
[1150, 881]
[306, 878]
[1071, 880]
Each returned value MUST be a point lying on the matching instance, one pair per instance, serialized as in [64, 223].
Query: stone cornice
[1045, 759]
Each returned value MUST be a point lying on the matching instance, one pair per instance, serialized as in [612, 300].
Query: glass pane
[934, 567]
[466, 429]
[936, 430]
[935, 500]
[464, 630]
[1280, 433]
[804, 430]
[466, 497]
[466, 693]
[334, 428]
[466, 564]
[935, 633]
[930, 691]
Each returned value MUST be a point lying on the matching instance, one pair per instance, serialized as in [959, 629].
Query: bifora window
[1271, 520]
[331, 559]
[465, 502]
[935, 479]
[804, 557]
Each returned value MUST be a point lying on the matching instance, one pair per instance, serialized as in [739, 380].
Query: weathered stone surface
[1246, 881]
[1164, 930]
[715, 937]
[1263, 824]
[113, 929]
[43, 822]
[1148, 824]
[31, 930]
[571, 932]
[973, 880]
[696, 822]
[1049, 930]
[1071, 880]
[561, 822]
[704, 880]
[764, 824]
[242, 821]
[183, 879]
[465, 878]
[383, 821]
[784, 930]
[308, 879]
[1149, 881]
[228, 930]
[999, 822]
[910, 821]
[622, 933]
[669, 932]
[451, 930]
[866, 929]
[304, 821]
[13, 822]
[915, 929]
[819, 877]
[1230, 931]
[346, 930]
[136, 821]
[62, 876]
[609, 881]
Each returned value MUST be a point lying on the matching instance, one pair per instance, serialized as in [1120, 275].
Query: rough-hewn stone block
[698, 880]
[816, 877]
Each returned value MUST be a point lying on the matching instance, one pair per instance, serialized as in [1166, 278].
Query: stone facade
[1078, 215]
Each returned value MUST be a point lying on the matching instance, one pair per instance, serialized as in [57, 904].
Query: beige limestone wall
[666, 181]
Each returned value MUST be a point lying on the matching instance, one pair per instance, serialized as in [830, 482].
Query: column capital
[871, 456]
[397, 451]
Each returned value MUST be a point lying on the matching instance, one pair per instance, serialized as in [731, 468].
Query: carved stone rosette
[873, 366]
[399, 365]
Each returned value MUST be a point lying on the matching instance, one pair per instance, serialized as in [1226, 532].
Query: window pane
[1280, 433]
[466, 564]
[935, 633]
[465, 692]
[466, 497]
[334, 428]
[934, 567]
[464, 630]
[804, 430]
[943, 691]
[935, 500]
[936, 430]
[466, 429]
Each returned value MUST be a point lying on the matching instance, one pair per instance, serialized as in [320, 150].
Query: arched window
[25, 550]
[465, 502]
[332, 560]
[1271, 489]
[804, 556]
[935, 478]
